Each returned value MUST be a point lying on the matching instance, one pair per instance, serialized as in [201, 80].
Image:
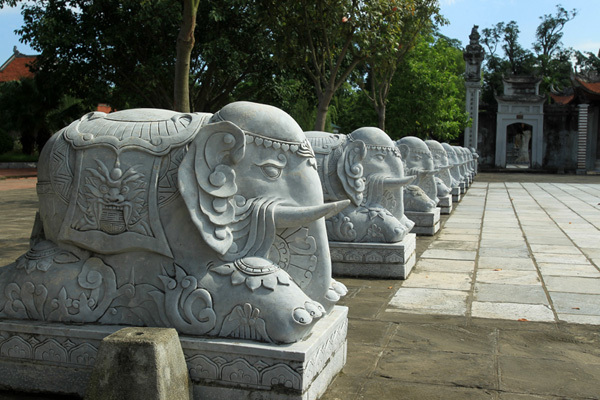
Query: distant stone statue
[364, 167]
[523, 154]
[455, 163]
[443, 179]
[418, 161]
[210, 224]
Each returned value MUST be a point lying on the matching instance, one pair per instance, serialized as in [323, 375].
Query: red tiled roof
[593, 87]
[105, 108]
[558, 99]
[16, 68]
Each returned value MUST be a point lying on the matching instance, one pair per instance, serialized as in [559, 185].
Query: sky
[583, 33]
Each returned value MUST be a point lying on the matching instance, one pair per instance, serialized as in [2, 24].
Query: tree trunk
[381, 115]
[322, 108]
[185, 44]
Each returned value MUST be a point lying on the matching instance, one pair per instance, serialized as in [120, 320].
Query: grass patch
[17, 156]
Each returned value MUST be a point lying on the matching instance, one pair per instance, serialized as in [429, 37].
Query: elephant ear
[404, 151]
[206, 181]
[350, 170]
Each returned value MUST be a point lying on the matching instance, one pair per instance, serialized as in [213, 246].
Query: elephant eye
[271, 171]
[380, 157]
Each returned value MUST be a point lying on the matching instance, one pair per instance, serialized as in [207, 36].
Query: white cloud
[588, 46]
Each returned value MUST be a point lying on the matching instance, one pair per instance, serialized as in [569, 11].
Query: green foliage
[550, 61]
[6, 142]
[326, 40]
[549, 32]
[415, 19]
[34, 109]
[588, 63]
[123, 52]
[354, 110]
[427, 98]
[17, 156]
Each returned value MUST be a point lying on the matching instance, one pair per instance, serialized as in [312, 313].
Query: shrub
[7, 143]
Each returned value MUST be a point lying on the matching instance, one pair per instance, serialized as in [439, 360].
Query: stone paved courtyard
[513, 251]
[504, 302]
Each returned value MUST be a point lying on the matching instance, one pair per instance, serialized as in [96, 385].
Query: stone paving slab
[440, 280]
[450, 254]
[429, 301]
[528, 253]
[514, 311]
[582, 270]
[505, 263]
[509, 293]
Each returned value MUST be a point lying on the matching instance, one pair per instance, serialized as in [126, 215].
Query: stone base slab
[374, 260]
[445, 204]
[58, 358]
[456, 194]
[426, 223]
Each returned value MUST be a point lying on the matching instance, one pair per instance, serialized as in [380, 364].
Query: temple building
[585, 95]
[16, 67]
[555, 132]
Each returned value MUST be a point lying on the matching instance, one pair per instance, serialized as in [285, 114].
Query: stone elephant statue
[210, 224]
[364, 167]
[422, 196]
[455, 164]
[443, 179]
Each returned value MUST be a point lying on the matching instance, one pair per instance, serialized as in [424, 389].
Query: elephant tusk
[431, 172]
[399, 181]
[294, 216]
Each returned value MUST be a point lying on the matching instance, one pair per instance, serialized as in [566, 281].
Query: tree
[381, 65]
[551, 61]
[185, 45]
[328, 39]
[516, 60]
[428, 94]
[520, 60]
[124, 52]
[588, 63]
[550, 31]
[36, 111]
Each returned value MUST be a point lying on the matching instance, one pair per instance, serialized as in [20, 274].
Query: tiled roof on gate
[558, 99]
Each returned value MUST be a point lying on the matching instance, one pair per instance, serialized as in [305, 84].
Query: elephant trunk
[291, 216]
[399, 182]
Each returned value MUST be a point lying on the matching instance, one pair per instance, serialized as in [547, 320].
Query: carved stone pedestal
[445, 204]
[426, 223]
[56, 358]
[456, 194]
[374, 260]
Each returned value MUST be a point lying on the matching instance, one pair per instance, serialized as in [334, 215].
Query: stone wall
[560, 138]
[486, 139]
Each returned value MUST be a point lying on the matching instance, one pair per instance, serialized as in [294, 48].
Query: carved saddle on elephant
[113, 172]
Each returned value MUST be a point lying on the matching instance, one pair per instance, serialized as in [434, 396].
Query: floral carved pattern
[294, 251]
[48, 350]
